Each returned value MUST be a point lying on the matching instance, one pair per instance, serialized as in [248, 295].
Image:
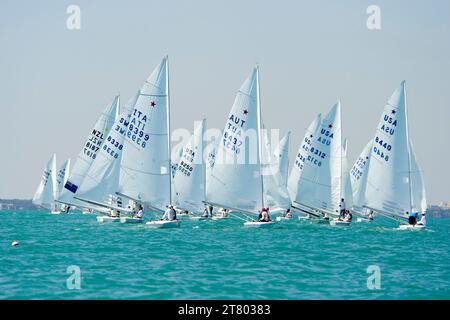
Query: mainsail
[145, 171]
[347, 192]
[236, 180]
[190, 178]
[102, 177]
[302, 154]
[281, 155]
[358, 178]
[89, 152]
[320, 179]
[275, 191]
[388, 188]
[63, 174]
[417, 183]
[46, 192]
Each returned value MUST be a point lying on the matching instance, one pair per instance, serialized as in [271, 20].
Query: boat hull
[410, 227]
[339, 223]
[283, 219]
[108, 219]
[163, 224]
[261, 225]
[130, 220]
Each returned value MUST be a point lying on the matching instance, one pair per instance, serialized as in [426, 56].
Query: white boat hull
[283, 219]
[130, 220]
[255, 224]
[163, 224]
[410, 227]
[219, 217]
[339, 223]
[197, 218]
[55, 212]
[108, 219]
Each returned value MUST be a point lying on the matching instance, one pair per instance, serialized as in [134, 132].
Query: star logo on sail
[393, 111]
[153, 104]
[330, 126]
[245, 111]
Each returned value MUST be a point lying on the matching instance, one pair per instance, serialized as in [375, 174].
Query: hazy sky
[54, 82]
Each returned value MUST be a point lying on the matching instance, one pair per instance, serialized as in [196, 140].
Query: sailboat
[236, 181]
[358, 180]
[316, 181]
[61, 178]
[101, 180]
[276, 196]
[46, 192]
[190, 177]
[281, 155]
[394, 186]
[86, 157]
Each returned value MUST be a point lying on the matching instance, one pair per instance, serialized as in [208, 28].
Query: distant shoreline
[26, 204]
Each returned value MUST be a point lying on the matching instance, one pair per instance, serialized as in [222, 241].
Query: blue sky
[55, 82]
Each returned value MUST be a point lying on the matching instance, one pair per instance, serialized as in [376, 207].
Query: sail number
[114, 148]
[231, 142]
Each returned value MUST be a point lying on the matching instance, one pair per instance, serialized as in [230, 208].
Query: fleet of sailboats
[125, 165]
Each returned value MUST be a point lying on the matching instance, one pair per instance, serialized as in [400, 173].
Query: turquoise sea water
[219, 260]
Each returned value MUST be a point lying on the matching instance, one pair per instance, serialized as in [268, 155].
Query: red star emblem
[153, 104]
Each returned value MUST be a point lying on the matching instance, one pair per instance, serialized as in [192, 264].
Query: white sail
[302, 155]
[358, 178]
[210, 154]
[89, 152]
[190, 179]
[320, 183]
[235, 180]
[346, 182]
[46, 192]
[102, 177]
[145, 171]
[63, 174]
[281, 155]
[276, 196]
[388, 188]
[417, 184]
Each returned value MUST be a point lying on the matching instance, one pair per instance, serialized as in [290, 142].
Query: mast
[408, 148]
[340, 150]
[258, 103]
[168, 130]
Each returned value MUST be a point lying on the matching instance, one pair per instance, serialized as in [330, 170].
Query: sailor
[325, 216]
[265, 217]
[423, 220]
[348, 216]
[205, 213]
[170, 214]
[342, 209]
[412, 218]
[140, 213]
[288, 214]
[210, 208]
[370, 215]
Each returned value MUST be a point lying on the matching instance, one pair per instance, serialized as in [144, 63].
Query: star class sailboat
[190, 177]
[394, 186]
[316, 181]
[236, 180]
[46, 192]
[61, 178]
[86, 157]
